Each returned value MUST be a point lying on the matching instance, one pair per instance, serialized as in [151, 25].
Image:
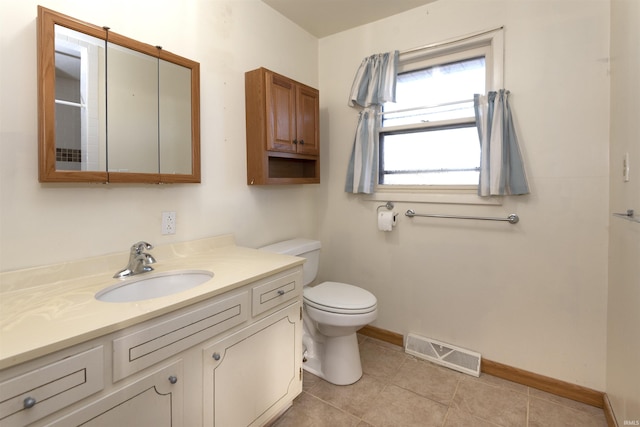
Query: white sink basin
[144, 287]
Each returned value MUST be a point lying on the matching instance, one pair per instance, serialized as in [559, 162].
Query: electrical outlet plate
[168, 223]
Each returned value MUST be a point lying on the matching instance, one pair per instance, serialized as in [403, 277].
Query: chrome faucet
[138, 261]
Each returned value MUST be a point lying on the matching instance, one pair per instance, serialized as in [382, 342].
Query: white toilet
[332, 314]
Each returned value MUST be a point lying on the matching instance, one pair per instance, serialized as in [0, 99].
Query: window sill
[457, 196]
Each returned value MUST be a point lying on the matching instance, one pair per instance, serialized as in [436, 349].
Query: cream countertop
[45, 309]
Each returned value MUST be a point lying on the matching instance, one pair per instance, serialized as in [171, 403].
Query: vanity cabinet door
[254, 374]
[154, 400]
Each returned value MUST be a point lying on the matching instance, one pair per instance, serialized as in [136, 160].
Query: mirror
[112, 109]
[175, 112]
[79, 100]
[132, 110]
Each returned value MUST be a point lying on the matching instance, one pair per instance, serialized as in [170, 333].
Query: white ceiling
[325, 17]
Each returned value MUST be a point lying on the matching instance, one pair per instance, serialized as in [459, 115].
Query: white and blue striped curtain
[373, 85]
[501, 167]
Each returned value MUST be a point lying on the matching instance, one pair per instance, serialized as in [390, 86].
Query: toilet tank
[305, 248]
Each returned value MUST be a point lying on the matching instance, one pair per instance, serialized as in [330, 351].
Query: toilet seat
[342, 298]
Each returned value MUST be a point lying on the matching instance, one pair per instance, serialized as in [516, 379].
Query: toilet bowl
[332, 314]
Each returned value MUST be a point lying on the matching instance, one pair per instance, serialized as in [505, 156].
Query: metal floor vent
[453, 357]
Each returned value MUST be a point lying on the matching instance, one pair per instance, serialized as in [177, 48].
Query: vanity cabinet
[283, 129]
[232, 360]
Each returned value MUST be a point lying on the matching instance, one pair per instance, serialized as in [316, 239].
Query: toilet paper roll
[386, 220]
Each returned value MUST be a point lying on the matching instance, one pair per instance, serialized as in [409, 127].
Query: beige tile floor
[399, 390]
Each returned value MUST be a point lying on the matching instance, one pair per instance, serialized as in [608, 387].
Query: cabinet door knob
[302, 142]
[295, 141]
[216, 356]
[29, 402]
[173, 379]
[280, 292]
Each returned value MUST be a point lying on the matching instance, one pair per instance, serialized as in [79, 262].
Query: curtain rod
[439, 44]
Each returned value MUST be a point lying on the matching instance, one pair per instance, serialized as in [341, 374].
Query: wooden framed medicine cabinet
[113, 109]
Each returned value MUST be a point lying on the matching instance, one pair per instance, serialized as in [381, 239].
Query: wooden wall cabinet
[283, 130]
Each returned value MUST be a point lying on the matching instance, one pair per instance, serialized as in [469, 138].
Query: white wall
[533, 295]
[623, 337]
[49, 223]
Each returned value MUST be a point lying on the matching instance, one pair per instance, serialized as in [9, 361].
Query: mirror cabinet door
[112, 109]
[175, 118]
[132, 111]
[80, 131]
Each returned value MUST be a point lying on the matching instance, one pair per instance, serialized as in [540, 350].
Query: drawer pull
[173, 379]
[29, 402]
[216, 356]
[280, 292]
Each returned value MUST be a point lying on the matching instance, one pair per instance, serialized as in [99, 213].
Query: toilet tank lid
[293, 246]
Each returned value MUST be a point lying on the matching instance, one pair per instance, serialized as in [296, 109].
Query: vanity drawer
[173, 333]
[42, 391]
[273, 292]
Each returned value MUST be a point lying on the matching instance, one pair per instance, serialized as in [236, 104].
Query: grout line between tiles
[335, 407]
[451, 404]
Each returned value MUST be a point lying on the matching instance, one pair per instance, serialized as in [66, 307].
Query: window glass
[428, 136]
[431, 157]
[436, 93]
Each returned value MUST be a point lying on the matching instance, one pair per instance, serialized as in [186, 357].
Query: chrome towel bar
[511, 219]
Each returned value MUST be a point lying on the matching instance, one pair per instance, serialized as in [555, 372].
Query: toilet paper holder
[389, 206]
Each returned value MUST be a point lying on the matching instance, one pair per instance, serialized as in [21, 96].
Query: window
[428, 137]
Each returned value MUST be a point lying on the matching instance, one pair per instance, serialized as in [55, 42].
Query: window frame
[491, 45]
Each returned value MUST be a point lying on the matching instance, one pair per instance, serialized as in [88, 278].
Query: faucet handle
[141, 246]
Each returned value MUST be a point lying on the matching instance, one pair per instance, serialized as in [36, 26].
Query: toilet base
[335, 359]
[312, 365]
